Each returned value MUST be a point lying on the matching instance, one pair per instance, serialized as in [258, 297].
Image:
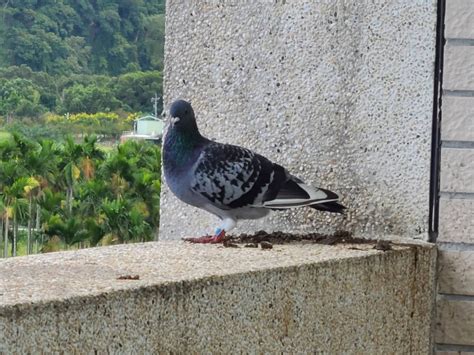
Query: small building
[149, 128]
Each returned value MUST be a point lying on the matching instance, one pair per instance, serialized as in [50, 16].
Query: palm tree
[43, 166]
[78, 159]
[116, 219]
[7, 216]
[12, 168]
[16, 206]
[73, 194]
[30, 191]
[71, 154]
[50, 203]
[3, 214]
[70, 229]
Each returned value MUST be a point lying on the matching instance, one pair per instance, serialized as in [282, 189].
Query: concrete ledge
[293, 298]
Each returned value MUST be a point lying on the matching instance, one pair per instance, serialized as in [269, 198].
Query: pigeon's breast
[179, 177]
[179, 181]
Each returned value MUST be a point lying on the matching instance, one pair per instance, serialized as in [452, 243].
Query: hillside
[69, 56]
[82, 37]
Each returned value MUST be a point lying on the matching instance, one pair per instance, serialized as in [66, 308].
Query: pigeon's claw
[214, 239]
[204, 239]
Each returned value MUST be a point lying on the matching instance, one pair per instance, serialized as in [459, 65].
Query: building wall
[339, 92]
[455, 326]
[149, 127]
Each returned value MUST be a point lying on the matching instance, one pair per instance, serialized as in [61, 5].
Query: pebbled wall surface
[339, 92]
[205, 299]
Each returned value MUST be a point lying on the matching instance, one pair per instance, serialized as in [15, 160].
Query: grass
[20, 248]
[106, 148]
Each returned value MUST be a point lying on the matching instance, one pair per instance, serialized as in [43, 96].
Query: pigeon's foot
[214, 239]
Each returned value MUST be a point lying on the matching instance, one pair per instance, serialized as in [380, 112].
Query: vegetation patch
[72, 195]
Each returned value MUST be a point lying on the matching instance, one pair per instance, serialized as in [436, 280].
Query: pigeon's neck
[180, 148]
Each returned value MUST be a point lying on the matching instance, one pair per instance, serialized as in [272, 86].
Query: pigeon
[229, 181]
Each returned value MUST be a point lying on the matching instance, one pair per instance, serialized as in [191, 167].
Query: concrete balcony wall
[298, 298]
[340, 92]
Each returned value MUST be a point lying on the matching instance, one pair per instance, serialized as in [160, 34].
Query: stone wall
[339, 92]
[455, 331]
[173, 297]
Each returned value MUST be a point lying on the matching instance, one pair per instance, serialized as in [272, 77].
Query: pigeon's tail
[295, 193]
[333, 206]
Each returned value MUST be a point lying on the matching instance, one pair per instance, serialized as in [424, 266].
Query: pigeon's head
[182, 116]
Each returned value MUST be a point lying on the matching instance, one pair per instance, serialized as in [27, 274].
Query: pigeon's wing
[295, 193]
[230, 177]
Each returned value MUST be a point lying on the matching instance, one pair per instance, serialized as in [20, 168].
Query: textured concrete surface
[456, 223]
[457, 170]
[458, 118]
[456, 271]
[459, 19]
[295, 298]
[340, 92]
[458, 64]
[455, 321]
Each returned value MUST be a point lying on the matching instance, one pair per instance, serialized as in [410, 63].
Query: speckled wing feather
[231, 177]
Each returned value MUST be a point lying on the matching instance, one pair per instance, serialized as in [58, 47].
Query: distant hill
[61, 37]
[72, 56]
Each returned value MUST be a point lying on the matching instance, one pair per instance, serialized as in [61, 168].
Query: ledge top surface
[90, 272]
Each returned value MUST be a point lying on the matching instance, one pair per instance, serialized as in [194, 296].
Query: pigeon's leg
[218, 237]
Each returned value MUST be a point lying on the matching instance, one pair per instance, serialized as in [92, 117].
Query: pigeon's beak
[174, 120]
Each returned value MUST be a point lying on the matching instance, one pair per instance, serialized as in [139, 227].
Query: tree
[19, 97]
[90, 99]
[152, 49]
[69, 230]
[16, 207]
[5, 216]
[107, 36]
[30, 189]
[76, 195]
[71, 155]
[134, 90]
[42, 166]
[12, 182]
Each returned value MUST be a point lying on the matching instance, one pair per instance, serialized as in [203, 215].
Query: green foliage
[24, 93]
[79, 56]
[70, 36]
[19, 97]
[109, 125]
[4, 136]
[153, 44]
[91, 98]
[79, 194]
[134, 90]
[76, 67]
